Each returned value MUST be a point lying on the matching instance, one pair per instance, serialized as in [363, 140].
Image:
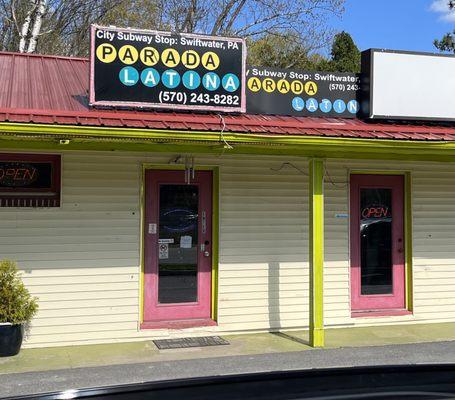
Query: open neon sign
[29, 180]
[17, 174]
[375, 212]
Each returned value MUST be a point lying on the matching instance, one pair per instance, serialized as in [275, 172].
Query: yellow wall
[83, 259]
[433, 234]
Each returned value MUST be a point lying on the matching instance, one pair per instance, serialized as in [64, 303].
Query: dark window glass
[177, 245]
[376, 241]
[29, 180]
[25, 175]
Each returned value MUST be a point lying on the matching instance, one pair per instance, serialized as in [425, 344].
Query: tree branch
[222, 17]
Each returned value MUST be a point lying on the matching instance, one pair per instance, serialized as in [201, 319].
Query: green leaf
[17, 306]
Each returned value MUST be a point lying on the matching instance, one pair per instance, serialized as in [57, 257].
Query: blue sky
[396, 24]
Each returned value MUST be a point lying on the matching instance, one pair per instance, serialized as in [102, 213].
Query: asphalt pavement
[76, 378]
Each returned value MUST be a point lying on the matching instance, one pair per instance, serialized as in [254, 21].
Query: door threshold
[380, 313]
[178, 324]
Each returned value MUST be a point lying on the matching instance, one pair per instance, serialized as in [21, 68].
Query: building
[278, 215]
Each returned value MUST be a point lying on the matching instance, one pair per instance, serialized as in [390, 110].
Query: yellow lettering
[254, 84]
[106, 53]
[149, 56]
[170, 58]
[128, 54]
[296, 87]
[190, 59]
[268, 85]
[210, 61]
[311, 88]
[283, 86]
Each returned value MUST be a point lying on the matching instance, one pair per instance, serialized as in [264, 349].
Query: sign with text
[151, 69]
[376, 211]
[24, 175]
[29, 180]
[300, 93]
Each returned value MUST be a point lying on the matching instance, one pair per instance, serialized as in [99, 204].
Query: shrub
[17, 306]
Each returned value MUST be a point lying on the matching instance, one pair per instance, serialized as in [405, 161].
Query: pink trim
[146, 105]
[178, 324]
[92, 66]
[379, 313]
[396, 300]
[200, 310]
[243, 94]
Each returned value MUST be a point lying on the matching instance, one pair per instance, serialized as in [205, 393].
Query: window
[29, 180]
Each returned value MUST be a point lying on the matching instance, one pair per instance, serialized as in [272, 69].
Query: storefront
[148, 224]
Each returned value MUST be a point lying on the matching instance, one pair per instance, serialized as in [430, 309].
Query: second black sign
[300, 93]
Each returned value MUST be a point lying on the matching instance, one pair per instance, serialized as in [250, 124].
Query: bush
[17, 306]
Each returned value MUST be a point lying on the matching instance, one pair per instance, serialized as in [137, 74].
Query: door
[377, 242]
[178, 256]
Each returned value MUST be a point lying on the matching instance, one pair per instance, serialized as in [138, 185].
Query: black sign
[300, 93]
[137, 68]
[29, 180]
[24, 175]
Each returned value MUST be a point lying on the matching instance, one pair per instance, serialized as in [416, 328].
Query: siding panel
[433, 211]
[83, 260]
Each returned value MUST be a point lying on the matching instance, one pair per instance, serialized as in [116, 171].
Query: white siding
[83, 259]
[433, 212]
[264, 251]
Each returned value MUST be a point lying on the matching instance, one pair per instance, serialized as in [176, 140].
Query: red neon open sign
[17, 174]
[29, 180]
[375, 212]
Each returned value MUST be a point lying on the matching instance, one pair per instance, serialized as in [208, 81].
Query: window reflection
[376, 241]
[178, 241]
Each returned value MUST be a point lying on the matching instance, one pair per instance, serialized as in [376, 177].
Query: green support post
[316, 200]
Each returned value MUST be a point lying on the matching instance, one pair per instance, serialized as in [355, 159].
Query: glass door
[377, 242]
[178, 234]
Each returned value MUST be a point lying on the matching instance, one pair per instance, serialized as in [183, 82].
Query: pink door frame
[396, 300]
[181, 314]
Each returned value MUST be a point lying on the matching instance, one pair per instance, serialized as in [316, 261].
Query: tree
[281, 51]
[248, 18]
[286, 51]
[31, 27]
[61, 26]
[447, 42]
[50, 26]
[345, 54]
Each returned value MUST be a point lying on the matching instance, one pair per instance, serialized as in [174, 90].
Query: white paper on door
[186, 242]
[163, 253]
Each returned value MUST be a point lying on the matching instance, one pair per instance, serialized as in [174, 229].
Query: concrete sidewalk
[76, 378]
[53, 358]
[59, 368]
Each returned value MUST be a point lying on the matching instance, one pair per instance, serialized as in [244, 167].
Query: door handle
[206, 254]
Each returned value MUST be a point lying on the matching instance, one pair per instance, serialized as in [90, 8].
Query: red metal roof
[54, 90]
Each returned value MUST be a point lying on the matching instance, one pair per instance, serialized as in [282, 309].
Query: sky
[396, 24]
